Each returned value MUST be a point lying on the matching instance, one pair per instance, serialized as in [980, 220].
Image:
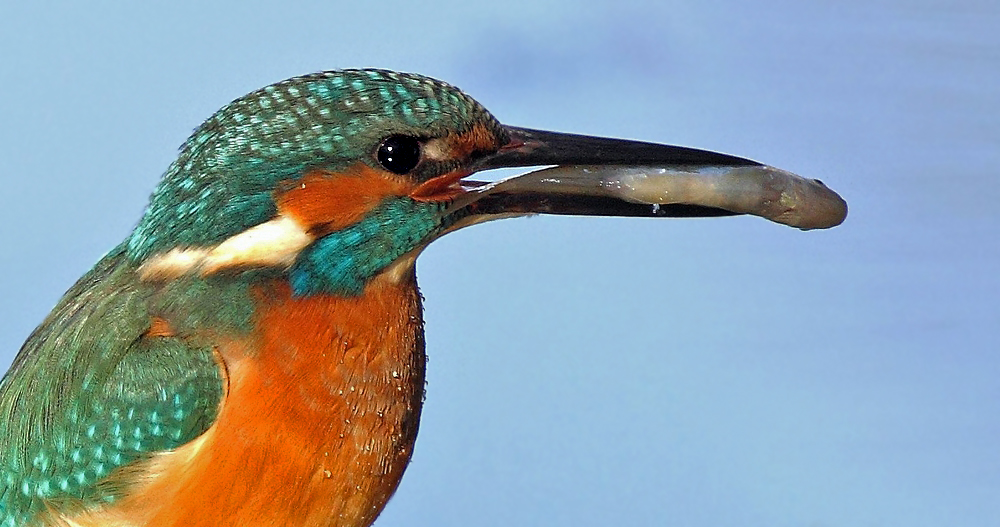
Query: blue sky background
[594, 372]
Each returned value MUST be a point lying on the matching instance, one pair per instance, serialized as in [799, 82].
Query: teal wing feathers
[91, 392]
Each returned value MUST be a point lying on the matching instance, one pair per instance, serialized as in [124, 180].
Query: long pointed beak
[613, 177]
[529, 147]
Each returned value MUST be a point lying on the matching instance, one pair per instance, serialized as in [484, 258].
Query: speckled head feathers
[222, 181]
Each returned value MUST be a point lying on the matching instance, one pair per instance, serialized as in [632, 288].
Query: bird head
[338, 176]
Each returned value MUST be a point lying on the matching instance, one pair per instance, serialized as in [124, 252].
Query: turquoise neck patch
[344, 261]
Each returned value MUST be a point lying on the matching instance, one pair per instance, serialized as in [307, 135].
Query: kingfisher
[253, 352]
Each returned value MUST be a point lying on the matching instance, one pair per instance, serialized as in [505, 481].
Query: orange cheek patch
[324, 202]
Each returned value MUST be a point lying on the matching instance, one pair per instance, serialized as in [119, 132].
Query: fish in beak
[596, 176]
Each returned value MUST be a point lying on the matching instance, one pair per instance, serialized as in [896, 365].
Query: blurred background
[595, 372]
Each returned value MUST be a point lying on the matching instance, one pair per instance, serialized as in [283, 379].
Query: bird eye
[399, 153]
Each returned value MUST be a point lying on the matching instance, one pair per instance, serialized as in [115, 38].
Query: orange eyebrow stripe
[478, 138]
[328, 201]
[159, 327]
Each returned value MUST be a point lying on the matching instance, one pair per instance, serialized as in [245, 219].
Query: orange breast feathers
[317, 425]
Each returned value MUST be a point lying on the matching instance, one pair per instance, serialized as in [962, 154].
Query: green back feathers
[88, 394]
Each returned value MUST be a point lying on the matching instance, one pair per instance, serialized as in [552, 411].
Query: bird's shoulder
[101, 384]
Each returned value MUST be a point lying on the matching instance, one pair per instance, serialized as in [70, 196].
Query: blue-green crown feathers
[223, 179]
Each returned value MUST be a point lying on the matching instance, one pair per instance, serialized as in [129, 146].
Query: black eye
[399, 153]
